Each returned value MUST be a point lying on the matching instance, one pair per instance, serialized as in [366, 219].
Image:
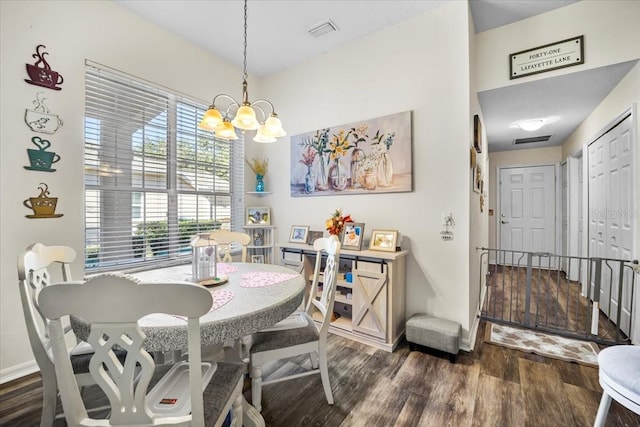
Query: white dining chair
[298, 334]
[140, 393]
[33, 276]
[225, 240]
[619, 375]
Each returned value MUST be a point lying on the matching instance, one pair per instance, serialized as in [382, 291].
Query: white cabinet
[371, 307]
[262, 245]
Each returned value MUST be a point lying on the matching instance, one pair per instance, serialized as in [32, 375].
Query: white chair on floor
[33, 276]
[619, 373]
[184, 394]
[225, 239]
[298, 334]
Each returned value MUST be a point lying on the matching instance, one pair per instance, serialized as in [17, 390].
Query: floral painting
[370, 156]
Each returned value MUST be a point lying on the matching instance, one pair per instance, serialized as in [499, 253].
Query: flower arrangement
[308, 156]
[258, 166]
[370, 161]
[381, 138]
[359, 133]
[339, 144]
[318, 142]
[335, 224]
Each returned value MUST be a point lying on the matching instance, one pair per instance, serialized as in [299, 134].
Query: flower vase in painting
[359, 135]
[308, 157]
[337, 176]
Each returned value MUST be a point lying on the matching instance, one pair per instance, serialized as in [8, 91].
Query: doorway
[527, 215]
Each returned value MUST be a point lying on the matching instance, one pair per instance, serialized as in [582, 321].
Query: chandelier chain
[245, 76]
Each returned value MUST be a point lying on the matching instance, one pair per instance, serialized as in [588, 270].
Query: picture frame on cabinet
[353, 235]
[258, 216]
[299, 234]
[314, 235]
[257, 259]
[383, 240]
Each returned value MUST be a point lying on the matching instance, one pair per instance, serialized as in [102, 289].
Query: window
[152, 177]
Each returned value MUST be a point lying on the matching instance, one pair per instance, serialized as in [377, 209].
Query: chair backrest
[331, 246]
[225, 239]
[112, 305]
[33, 276]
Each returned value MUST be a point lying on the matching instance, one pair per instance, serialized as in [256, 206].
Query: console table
[371, 307]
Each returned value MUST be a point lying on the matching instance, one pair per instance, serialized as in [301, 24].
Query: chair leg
[314, 359]
[49, 401]
[256, 388]
[324, 375]
[237, 411]
[603, 409]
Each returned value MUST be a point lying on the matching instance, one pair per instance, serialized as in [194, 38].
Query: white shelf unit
[262, 242]
[375, 313]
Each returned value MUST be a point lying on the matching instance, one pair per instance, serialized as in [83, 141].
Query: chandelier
[245, 118]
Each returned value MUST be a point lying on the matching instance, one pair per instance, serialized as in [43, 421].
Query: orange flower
[335, 224]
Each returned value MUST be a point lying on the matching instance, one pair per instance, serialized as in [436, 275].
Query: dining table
[254, 297]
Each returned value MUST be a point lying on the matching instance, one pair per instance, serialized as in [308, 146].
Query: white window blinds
[152, 177]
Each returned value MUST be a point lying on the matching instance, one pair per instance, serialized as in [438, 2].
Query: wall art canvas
[364, 157]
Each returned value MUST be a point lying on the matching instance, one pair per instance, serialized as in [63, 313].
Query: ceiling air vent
[531, 140]
[322, 28]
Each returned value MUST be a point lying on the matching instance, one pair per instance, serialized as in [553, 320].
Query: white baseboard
[18, 371]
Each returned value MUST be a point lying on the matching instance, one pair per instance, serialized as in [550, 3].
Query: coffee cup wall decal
[40, 118]
[41, 73]
[41, 159]
[43, 206]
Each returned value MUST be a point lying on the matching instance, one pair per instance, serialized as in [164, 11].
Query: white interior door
[611, 203]
[527, 209]
[565, 215]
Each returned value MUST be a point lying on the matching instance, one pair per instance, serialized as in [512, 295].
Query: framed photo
[477, 133]
[299, 234]
[257, 259]
[383, 240]
[353, 235]
[258, 216]
[478, 179]
[314, 235]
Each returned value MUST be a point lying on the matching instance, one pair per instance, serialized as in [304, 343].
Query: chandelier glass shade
[225, 113]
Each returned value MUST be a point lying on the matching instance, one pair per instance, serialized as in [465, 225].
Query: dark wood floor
[491, 386]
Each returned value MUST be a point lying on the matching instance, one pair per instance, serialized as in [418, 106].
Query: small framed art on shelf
[256, 216]
[299, 234]
[353, 235]
[313, 236]
[383, 240]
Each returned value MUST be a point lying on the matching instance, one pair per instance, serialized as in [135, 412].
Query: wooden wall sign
[565, 53]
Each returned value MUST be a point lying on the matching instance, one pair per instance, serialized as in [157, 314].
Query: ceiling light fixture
[245, 114]
[532, 124]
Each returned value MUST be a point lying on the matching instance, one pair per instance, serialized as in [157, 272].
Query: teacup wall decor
[41, 73]
[40, 118]
[41, 159]
[43, 206]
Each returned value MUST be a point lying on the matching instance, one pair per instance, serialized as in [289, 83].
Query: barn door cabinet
[371, 307]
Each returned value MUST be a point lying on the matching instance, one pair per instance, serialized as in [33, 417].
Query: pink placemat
[220, 298]
[259, 279]
[226, 268]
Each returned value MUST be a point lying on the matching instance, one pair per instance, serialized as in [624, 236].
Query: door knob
[504, 222]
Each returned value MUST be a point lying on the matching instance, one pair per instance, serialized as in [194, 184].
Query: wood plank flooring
[491, 386]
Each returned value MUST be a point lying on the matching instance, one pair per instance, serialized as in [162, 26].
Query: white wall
[610, 29]
[530, 157]
[419, 65]
[72, 31]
